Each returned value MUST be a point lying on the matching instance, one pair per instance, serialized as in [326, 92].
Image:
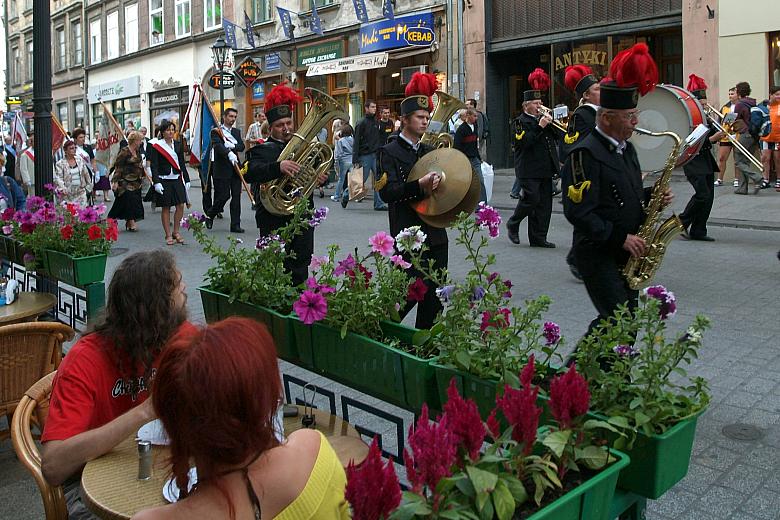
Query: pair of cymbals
[458, 190]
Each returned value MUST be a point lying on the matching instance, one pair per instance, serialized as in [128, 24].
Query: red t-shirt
[88, 390]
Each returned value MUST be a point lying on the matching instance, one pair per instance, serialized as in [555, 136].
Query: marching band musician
[700, 172]
[396, 160]
[603, 194]
[227, 183]
[536, 163]
[580, 80]
[263, 167]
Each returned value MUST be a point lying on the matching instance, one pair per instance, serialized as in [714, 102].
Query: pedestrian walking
[25, 168]
[725, 146]
[466, 140]
[126, 181]
[171, 180]
[770, 143]
[343, 159]
[253, 133]
[482, 128]
[72, 177]
[748, 138]
[368, 138]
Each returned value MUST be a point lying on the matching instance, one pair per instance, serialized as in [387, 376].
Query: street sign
[225, 78]
[13, 100]
[248, 71]
[420, 36]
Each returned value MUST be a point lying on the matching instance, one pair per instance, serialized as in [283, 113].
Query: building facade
[19, 49]
[67, 63]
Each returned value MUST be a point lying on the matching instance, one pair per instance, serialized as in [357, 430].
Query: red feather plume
[696, 83]
[539, 79]
[635, 67]
[281, 94]
[573, 75]
[422, 84]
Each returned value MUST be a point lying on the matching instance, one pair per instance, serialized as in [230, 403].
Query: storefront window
[78, 114]
[774, 58]
[594, 54]
[341, 80]
[128, 110]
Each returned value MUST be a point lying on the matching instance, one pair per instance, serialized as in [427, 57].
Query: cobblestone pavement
[734, 281]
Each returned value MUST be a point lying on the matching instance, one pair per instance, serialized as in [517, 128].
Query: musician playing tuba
[602, 186]
[263, 168]
[396, 160]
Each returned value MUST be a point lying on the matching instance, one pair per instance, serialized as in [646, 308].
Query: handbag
[355, 182]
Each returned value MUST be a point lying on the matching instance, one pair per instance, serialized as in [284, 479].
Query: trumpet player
[536, 163]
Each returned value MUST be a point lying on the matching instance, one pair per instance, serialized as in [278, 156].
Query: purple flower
[184, 223]
[317, 262]
[492, 277]
[345, 265]
[488, 218]
[88, 215]
[551, 332]
[445, 293]
[666, 298]
[477, 294]
[318, 217]
[28, 258]
[8, 229]
[24, 217]
[508, 292]
[311, 307]
[400, 262]
[49, 187]
[297, 192]
[268, 241]
[626, 350]
[34, 203]
[197, 215]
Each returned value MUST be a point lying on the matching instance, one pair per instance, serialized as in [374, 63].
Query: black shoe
[236, 229]
[219, 215]
[514, 195]
[546, 244]
[704, 238]
[209, 222]
[322, 193]
[764, 184]
[344, 201]
[512, 234]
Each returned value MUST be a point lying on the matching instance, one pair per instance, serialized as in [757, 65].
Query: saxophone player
[603, 194]
[263, 167]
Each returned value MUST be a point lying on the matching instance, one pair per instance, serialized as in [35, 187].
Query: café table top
[26, 307]
[112, 491]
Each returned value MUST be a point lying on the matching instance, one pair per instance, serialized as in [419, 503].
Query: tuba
[438, 135]
[280, 196]
[639, 271]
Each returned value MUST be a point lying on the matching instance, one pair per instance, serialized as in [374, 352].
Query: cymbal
[455, 170]
[468, 204]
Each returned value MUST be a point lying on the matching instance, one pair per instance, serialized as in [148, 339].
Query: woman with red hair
[216, 394]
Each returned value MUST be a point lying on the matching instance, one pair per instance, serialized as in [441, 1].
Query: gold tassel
[576, 191]
[569, 139]
[245, 168]
[519, 136]
[381, 182]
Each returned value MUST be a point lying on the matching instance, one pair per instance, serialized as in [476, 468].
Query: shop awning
[375, 60]
[406, 53]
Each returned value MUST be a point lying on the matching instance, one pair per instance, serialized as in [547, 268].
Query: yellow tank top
[323, 496]
[725, 109]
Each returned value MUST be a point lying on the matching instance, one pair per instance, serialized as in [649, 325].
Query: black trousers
[536, 204]
[225, 189]
[430, 306]
[696, 213]
[207, 200]
[302, 245]
[606, 285]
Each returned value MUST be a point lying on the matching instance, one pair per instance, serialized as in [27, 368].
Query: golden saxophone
[639, 271]
[314, 157]
[438, 135]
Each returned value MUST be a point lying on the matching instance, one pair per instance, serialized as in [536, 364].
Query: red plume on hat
[573, 75]
[422, 84]
[635, 67]
[696, 83]
[281, 94]
[539, 79]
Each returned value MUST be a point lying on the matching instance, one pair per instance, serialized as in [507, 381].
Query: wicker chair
[32, 409]
[28, 351]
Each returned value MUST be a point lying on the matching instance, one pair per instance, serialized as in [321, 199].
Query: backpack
[759, 121]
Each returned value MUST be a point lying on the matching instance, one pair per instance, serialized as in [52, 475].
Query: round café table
[112, 491]
[27, 307]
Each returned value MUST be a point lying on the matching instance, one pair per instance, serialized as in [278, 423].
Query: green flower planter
[482, 391]
[658, 462]
[7, 247]
[217, 306]
[589, 501]
[419, 375]
[78, 271]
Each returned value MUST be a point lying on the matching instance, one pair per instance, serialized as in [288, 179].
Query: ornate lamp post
[44, 169]
[219, 52]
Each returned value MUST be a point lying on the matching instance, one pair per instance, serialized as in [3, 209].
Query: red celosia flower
[493, 426]
[464, 422]
[94, 232]
[417, 290]
[372, 491]
[66, 232]
[519, 407]
[433, 453]
[569, 397]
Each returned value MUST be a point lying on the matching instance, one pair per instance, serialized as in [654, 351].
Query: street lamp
[219, 52]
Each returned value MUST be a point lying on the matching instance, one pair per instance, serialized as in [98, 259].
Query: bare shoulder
[297, 454]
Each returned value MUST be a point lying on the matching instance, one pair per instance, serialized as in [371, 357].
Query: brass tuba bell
[438, 135]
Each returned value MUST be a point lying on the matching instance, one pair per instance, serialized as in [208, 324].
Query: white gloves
[233, 158]
[229, 145]
[159, 188]
[187, 186]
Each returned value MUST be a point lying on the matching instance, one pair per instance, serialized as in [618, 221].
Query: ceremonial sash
[30, 153]
[167, 151]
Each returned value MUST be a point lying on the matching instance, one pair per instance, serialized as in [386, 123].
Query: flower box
[7, 247]
[217, 306]
[419, 375]
[482, 391]
[78, 271]
[658, 462]
[589, 501]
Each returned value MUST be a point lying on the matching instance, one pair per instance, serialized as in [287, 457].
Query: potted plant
[556, 471]
[640, 386]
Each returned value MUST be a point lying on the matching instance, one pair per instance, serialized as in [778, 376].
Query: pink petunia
[400, 262]
[317, 262]
[311, 307]
[382, 243]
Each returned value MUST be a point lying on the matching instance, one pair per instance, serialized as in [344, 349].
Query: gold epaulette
[579, 185]
[519, 136]
[571, 139]
[381, 183]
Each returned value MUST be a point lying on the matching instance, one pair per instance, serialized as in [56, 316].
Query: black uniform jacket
[612, 202]
[221, 167]
[704, 163]
[160, 165]
[396, 160]
[581, 123]
[536, 152]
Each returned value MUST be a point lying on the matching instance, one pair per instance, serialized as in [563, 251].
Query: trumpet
[557, 123]
[714, 116]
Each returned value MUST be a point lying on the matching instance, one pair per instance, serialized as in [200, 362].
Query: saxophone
[639, 271]
[280, 196]
[438, 135]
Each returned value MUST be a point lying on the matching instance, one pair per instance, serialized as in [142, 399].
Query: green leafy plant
[638, 376]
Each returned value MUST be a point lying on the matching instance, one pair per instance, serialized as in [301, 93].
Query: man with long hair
[99, 393]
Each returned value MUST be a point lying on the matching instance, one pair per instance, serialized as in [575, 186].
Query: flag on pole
[387, 9]
[286, 19]
[230, 33]
[110, 134]
[18, 132]
[316, 23]
[200, 137]
[250, 34]
[57, 134]
[360, 10]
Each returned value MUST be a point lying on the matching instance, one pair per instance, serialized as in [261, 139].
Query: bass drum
[667, 108]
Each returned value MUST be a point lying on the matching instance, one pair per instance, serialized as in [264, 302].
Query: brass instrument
[315, 158]
[438, 135]
[714, 116]
[561, 125]
[639, 271]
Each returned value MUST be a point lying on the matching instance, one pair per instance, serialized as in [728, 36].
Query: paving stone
[765, 503]
[743, 478]
[719, 502]
[672, 504]
[699, 477]
[719, 458]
